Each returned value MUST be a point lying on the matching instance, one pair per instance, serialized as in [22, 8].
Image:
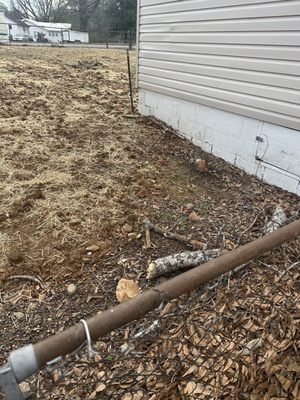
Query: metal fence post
[129, 82]
[106, 39]
[129, 39]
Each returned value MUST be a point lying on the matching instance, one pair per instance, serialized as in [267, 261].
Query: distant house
[11, 29]
[54, 32]
[16, 30]
[29, 30]
[3, 27]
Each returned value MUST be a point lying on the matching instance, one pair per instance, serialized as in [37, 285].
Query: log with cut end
[174, 262]
[278, 219]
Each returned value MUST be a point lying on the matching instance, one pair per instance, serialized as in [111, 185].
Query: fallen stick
[148, 243]
[174, 262]
[26, 278]
[170, 235]
[130, 116]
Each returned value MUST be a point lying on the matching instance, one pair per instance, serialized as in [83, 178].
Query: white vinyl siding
[239, 56]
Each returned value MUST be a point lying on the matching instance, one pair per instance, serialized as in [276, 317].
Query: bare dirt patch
[74, 171]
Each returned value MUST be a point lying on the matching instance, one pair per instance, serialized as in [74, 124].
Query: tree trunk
[83, 15]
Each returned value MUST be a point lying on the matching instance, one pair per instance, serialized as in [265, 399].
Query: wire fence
[14, 33]
[235, 338]
[113, 38]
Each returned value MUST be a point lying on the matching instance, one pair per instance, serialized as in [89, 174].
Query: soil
[74, 170]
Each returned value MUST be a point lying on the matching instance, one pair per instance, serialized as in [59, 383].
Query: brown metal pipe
[100, 325]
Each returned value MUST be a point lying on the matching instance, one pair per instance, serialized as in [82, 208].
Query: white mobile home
[30, 30]
[17, 30]
[47, 31]
[12, 30]
[3, 27]
[226, 74]
[54, 32]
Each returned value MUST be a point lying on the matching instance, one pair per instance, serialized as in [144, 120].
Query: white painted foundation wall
[269, 151]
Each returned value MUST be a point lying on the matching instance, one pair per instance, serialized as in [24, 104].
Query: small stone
[72, 288]
[24, 386]
[15, 255]
[127, 228]
[188, 206]
[194, 216]
[36, 194]
[132, 236]
[19, 315]
[93, 248]
[200, 165]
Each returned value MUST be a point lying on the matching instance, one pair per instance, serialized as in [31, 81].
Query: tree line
[96, 16]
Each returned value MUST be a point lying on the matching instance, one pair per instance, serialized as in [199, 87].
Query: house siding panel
[243, 58]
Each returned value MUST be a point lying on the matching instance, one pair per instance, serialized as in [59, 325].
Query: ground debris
[87, 64]
[63, 131]
[15, 255]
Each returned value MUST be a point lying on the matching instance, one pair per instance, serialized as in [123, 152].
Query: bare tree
[40, 10]
[53, 10]
[85, 10]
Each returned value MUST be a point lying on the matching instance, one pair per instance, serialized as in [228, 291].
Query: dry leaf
[194, 389]
[286, 383]
[93, 248]
[127, 396]
[200, 165]
[190, 387]
[194, 217]
[192, 369]
[100, 387]
[126, 290]
[252, 346]
[296, 390]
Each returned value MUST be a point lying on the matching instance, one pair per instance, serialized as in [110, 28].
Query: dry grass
[63, 131]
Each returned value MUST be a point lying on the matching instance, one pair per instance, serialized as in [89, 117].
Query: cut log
[174, 262]
[277, 221]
